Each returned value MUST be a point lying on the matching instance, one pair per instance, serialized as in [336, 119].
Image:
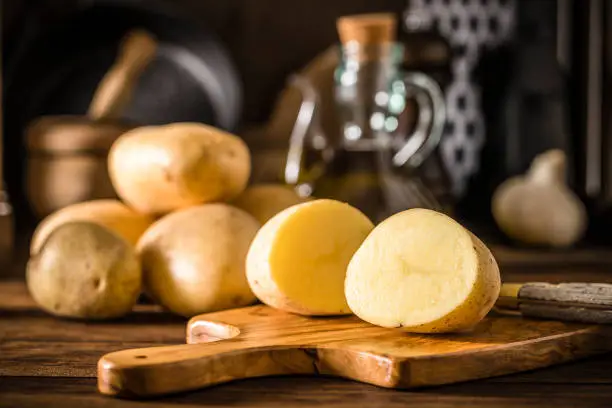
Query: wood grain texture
[52, 363]
[577, 302]
[577, 293]
[260, 341]
[569, 314]
[311, 392]
[33, 343]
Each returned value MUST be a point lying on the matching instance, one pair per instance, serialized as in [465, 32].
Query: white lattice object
[471, 25]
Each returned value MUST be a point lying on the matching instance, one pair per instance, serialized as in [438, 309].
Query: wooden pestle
[115, 90]
[70, 133]
[67, 153]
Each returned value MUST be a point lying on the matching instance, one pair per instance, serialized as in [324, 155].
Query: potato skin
[111, 214]
[159, 169]
[264, 201]
[85, 271]
[194, 259]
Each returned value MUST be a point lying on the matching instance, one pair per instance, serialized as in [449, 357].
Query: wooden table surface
[48, 362]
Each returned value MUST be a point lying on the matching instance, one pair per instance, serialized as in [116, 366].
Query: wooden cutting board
[259, 341]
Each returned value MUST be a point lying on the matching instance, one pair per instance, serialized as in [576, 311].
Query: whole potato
[84, 270]
[264, 201]
[194, 259]
[111, 214]
[159, 169]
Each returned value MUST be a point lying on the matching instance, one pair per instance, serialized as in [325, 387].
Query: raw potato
[194, 259]
[298, 259]
[264, 201]
[85, 271]
[111, 214]
[421, 271]
[158, 169]
[539, 208]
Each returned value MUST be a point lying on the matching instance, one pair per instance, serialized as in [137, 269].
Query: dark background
[534, 88]
[267, 39]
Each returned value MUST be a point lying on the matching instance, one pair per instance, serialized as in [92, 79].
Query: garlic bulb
[539, 208]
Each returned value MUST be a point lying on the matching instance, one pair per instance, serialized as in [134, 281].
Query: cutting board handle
[260, 341]
[115, 90]
[164, 370]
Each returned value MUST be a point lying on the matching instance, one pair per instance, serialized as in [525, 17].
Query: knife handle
[582, 293]
[581, 302]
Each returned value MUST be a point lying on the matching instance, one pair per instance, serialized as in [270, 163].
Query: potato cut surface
[298, 259]
[422, 271]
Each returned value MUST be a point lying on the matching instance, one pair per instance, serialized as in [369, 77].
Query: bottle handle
[306, 123]
[430, 122]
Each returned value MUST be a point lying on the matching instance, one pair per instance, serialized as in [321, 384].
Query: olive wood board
[260, 341]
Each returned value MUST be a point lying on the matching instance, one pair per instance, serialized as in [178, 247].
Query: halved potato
[421, 271]
[297, 262]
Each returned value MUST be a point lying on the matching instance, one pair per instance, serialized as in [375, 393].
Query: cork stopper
[367, 29]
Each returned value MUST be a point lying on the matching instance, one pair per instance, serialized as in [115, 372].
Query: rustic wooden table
[47, 362]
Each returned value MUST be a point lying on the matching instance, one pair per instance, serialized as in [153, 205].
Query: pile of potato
[181, 232]
[197, 240]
